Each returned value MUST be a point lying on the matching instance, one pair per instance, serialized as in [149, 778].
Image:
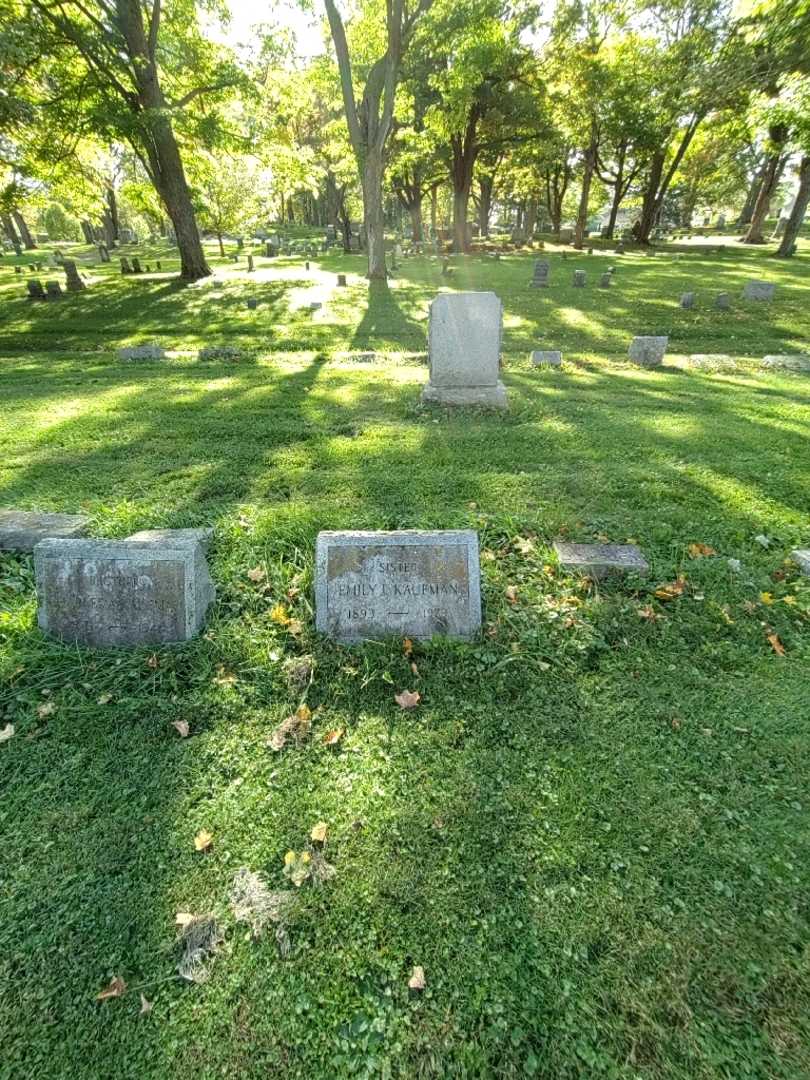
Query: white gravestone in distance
[464, 350]
[122, 592]
[406, 583]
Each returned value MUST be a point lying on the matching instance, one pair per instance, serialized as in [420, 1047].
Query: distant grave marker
[648, 351]
[759, 290]
[601, 560]
[546, 358]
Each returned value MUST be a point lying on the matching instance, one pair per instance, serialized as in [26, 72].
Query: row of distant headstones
[155, 586]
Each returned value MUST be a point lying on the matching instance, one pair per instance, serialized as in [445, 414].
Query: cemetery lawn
[592, 833]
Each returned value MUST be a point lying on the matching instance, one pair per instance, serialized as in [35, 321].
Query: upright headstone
[103, 253]
[136, 265]
[464, 349]
[802, 557]
[579, 279]
[546, 358]
[759, 290]
[53, 290]
[648, 351]
[250, 264]
[252, 303]
[35, 290]
[72, 280]
[408, 584]
[721, 221]
[122, 592]
[125, 267]
[604, 281]
[566, 235]
[687, 300]
[22, 530]
[541, 272]
[269, 249]
[341, 280]
[17, 269]
[722, 301]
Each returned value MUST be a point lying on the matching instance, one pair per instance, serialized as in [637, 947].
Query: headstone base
[492, 397]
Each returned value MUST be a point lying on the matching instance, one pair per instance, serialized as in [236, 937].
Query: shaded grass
[592, 834]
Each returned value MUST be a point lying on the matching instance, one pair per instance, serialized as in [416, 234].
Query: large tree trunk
[373, 216]
[461, 200]
[794, 221]
[486, 184]
[415, 210]
[28, 241]
[434, 208]
[465, 152]
[614, 210]
[582, 214]
[87, 231]
[11, 233]
[659, 180]
[770, 179]
[747, 211]
[112, 213]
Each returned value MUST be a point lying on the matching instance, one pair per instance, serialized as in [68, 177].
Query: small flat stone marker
[601, 560]
[22, 530]
[722, 301]
[546, 357]
[405, 584]
[788, 362]
[648, 351]
[187, 536]
[141, 352]
[122, 592]
[464, 349]
[759, 290]
[802, 557]
[687, 300]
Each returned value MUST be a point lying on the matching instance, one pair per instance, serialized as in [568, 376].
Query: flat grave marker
[22, 530]
[601, 560]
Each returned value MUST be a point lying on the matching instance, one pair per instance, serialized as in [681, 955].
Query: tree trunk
[582, 214]
[659, 181]
[614, 210]
[530, 218]
[28, 241]
[87, 231]
[794, 222]
[747, 211]
[221, 245]
[112, 211]
[11, 233]
[770, 179]
[373, 216]
[486, 185]
[415, 210]
[434, 208]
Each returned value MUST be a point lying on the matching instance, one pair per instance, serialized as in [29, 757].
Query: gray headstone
[710, 360]
[122, 592]
[604, 281]
[72, 280]
[566, 236]
[541, 271]
[252, 303]
[17, 269]
[35, 290]
[787, 362]
[601, 560]
[53, 290]
[758, 290]
[579, 279]
[687, 300]
[722, 301]
[648, 351]
[408, 583]
[125, 267]
[341, 280]
[136, 265]
[464, 350]
[22, 530]
[191, 536]
[250, 264]
[802, 557]
[546, 357]
[104, 253]
[141, 352]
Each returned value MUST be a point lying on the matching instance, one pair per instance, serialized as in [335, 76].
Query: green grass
[592, 833]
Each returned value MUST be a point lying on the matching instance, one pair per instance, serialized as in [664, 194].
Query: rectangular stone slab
[200, 535]
[464, 339]
[121, 592]
[802, 557]
[600, 560]
[22, 530]
[406, 583]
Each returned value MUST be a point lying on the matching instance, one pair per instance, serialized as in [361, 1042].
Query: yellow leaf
[304, 714]
[290, 858]
[407, 699]
[700, 551]
[6, 733]
[46, 709]
[765, 598]
[203, 840]
[417, 979]
[672, 590]
[318, 832]
[278, 614]
[181, 727]
[117, 988]
[332, 738]
[788, 599]
[256, 574]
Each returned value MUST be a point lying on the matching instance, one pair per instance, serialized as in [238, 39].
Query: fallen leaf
[297, 867]
[256, 574]
[104, 699]
[649, 613]
[511, 594]
[295, 627]
[788, 599]
[183, 918]
[672, 590]
[153, 662]
[203, 840]
[701, 551]
[675, 723]
[223, 677]
[278, 614]
[414, 669]
[765, 598]
[333, 737]
[523, 545]
[6, 733]
[318, 832]
[146, 1006]
[407, 699]
[181, 727]
[292, 592]
[296, 726]
[776, 644]
[117, 988]
[46, 709]
[407, 646]
[417, 979]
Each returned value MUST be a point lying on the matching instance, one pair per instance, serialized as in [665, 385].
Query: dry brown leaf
[407, 699]
[203, 840]
[776, 644]
[6, 733]
[701, 551]
[511, 594]
[48, 708]
[672, 590]
[296, 726]
[318, 832]
[417, 979]
[153, 662]
[295, 627]
[333, 737]
[117, 988]
[256, 574]
[146, 1006]
[414, 669]
[407, 646]
[181, 727]
[104, 699]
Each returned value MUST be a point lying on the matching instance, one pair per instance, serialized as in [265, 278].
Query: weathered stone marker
[407, 583]
[136, 265]
[464, 350]
[604, 280]
[788, 362]
[141, 352]
[341, 280]
[540, 278]
[252, 303]
[648, 351]
[687, 300]
[35, 290]
[73, 281]
[201, 535]
[22, 530]
[122, 592]
[722, 301]
[758, 290]
[125, 267]
[546, 358]
[802, 557]
[579, 279]
[53, 290]
[601, 560]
